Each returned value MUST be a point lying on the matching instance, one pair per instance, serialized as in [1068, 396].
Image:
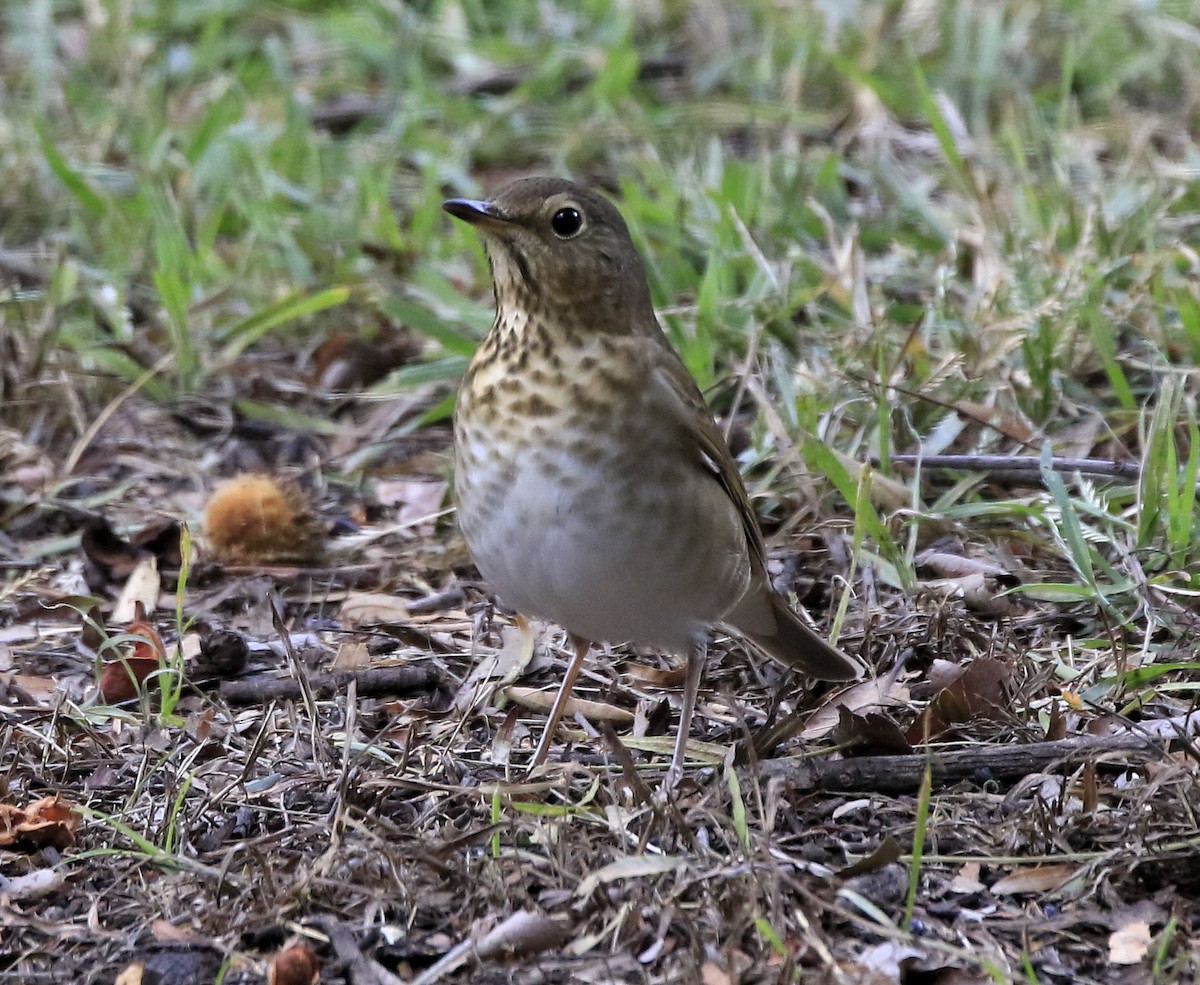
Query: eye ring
[567, 222]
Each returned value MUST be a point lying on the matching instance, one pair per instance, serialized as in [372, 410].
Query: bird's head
[556, 245]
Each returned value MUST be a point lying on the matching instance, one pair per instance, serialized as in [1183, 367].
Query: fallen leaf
[351, 655]
[502, 665]
[121, 678]
[420, 501]
[373, 609]
[50, 821]
[871, 734]
[1040, 879]
[539, 699]
[967, 880]
[113, 557]
[630, 867]
[31, 885]
[977, 694]
[878, 692]
[1130, 943]
[888, 958]
[143, 585]
[887, 853]
[951, 565]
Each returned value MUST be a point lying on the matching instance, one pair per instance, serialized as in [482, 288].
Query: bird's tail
[765, 620]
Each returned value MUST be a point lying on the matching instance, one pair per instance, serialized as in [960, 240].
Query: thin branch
[1022, 465]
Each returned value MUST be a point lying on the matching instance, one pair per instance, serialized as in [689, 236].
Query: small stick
[375, 681]
[1020, 464]
[983, 764]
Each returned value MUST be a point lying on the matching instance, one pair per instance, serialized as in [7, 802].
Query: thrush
[594, 488]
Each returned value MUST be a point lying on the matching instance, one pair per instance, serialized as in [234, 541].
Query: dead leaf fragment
[351, 655]
[1129, 944]
[32, 885]
[419, 501]
[538, 699]
[967, 880]
[122, 677]
[630, 867]
[886, 854]
[978, 694]
[876, 692]
[871, 734]
[1040, 879]
[373, 609]
[50, 821]
[142, 586]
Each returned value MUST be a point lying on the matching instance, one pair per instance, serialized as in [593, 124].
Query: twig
[1019, 465]
[985, 763]
[374, 681]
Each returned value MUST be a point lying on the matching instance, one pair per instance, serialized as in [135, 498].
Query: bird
[594, 488]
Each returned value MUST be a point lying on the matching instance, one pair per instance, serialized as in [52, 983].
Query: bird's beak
[475, 212]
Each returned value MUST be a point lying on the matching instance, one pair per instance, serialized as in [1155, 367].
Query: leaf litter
[402, 814]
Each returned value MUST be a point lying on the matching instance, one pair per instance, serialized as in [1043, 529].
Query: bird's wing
[676, 394]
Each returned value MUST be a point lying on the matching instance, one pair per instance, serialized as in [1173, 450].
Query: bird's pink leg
[581, 647]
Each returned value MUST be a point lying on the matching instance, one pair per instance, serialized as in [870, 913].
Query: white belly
[612, 546]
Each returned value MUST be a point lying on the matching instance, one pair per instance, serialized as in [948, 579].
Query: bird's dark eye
[566, 223]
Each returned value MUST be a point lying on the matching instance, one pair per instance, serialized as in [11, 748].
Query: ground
[959, 231]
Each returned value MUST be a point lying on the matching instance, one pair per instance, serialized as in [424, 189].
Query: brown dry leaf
[351, 655]
[41, 689]
[1129, 944]
[500, 666]
[373, 609]
[630, 867]
[539, 699]
[167, 932]
[884, 491]
[121, 678]
[132, 974]
[711, 974]
[886, 854]
[977, 694]
[347, 361]
[967, 880]
[871, 734]
[50, 821]
[1040, 879]
[663, 677]
[112, 555]
[941, 674]
[878, 692]
[975, 590]
[160, 538]
[141, 587]
[419, 500]
[950, 565]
